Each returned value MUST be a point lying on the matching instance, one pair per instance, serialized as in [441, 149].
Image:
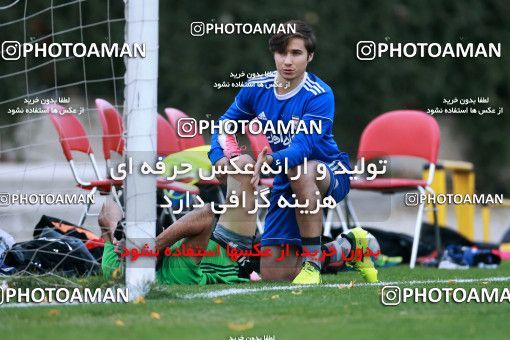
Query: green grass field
[276, 310]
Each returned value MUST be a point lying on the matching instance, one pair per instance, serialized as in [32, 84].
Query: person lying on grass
[199, 229]
[193, 231]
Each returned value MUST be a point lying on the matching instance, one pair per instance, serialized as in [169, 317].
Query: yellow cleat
[369, 274]
[309, 275]
[359, 239]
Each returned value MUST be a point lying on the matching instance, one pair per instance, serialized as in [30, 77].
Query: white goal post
[140, 110]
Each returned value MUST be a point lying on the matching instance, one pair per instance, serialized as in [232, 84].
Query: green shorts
[212, 269]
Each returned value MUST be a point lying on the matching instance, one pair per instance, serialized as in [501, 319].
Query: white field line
[239, 291]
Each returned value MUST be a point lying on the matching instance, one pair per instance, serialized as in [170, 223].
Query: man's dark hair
[278, 42]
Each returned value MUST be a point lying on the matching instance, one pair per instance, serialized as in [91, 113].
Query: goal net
[58, 58]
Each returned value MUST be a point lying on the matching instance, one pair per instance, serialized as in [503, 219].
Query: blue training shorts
[281, 226]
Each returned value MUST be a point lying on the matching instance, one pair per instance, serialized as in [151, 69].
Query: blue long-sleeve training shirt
[311, 100]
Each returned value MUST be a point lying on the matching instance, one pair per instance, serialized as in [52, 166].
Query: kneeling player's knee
[275, 268]
[244, 160]
[306, 179]
[269, 272]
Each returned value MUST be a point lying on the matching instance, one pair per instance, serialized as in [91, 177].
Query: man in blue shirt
[290, 95]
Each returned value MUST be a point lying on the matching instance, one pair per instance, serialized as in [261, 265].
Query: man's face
[291, 64]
